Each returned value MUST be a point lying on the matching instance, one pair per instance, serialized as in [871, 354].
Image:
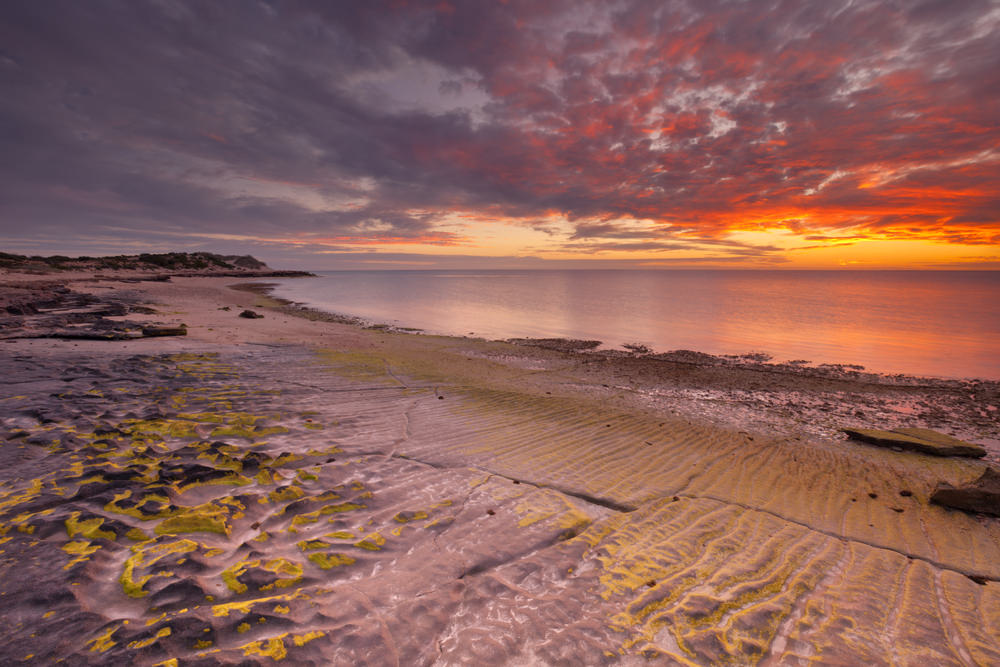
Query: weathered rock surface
[164, 331]
[216, 509]
[922, 440]
[981, 495]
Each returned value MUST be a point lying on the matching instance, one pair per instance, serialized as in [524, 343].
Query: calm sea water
[944, 324]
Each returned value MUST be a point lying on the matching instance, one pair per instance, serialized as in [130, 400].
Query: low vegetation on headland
[170, 262]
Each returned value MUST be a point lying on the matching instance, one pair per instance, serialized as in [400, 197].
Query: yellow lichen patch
[313, 517]
[273, 648]
[288, 573]
[302, 640]
[243, 627]
[281, 609]
[205, 417]
[312, 545]
[372, 542]
[243, 425]
[230, 576]
[340, 535]
[145, 556]
[143, 643]
[152, 430]
[169, 662]
[284, 494]
[245, 606]
[232, 479]
[116, 506]
[28, 494]
[328, 561]
[203, 643]
[194, 522]
[285, 457]
[342, 507]
[103, 641]
[81, 550]
[406, 517]
[137, 535]
[91, 528]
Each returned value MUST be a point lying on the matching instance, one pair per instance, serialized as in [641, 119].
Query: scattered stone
[922, 440]
[251, 315]
[981, 495]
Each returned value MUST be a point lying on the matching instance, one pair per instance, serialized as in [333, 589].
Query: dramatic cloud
[639, 127]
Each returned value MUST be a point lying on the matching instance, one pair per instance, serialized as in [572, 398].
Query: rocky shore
[298, 487]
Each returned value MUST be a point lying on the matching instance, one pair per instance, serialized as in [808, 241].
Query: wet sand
[309, 490]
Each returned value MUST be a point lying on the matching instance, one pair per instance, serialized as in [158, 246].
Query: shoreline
[722, 325]
[764, 398]
[294, 479]
[743, 388]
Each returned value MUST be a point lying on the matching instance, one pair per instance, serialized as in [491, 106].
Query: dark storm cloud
[353, 124]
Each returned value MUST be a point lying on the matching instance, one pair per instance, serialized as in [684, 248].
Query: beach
[301, 487]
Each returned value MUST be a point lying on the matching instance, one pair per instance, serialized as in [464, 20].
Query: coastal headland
[300, 486]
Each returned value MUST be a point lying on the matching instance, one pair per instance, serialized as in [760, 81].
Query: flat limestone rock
[981, 495]
[164, 331]
[919, 440]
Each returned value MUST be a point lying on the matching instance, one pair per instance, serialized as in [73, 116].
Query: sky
[505, 133]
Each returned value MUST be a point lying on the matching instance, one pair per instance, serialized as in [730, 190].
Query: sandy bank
[318, 491]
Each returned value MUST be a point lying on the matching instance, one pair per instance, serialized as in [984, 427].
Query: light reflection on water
[937, 323]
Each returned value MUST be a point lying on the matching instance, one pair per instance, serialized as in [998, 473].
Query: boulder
[251, 315]
[918, 440]
[980, 495]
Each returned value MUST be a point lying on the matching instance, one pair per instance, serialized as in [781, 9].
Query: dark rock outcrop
[251, 315]
[918, 440]
[980, 495]
[164, 331]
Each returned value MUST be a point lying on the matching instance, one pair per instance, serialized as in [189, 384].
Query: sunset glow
[687, 134]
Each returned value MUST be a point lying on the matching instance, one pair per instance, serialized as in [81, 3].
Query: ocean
[934, 323]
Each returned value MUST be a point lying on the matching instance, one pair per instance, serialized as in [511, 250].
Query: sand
[297, 489]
